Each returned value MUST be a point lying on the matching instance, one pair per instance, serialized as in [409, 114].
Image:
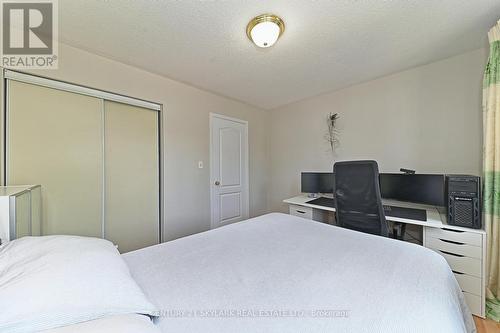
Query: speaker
[464, 200]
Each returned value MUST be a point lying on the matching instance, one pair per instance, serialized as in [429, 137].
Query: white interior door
[228, 170]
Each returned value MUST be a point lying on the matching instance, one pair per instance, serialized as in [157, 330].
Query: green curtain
[491, 165]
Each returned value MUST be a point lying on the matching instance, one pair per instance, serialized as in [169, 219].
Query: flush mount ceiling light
[264, 30]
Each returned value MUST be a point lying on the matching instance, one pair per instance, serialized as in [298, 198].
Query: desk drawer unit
[462, 264]
[301, 211]
[463, 250]
[465, 237]
[474, 302]
[454, 247]
[468, 283]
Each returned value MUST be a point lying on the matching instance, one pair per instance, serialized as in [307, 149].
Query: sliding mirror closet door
[54, 138]
[95, 154]
[132, 176]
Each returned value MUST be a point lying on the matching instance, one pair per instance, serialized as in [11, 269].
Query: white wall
[427, 118]
[186, 134]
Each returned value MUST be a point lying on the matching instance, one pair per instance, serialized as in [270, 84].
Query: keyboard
[322, 201]
[406, 213]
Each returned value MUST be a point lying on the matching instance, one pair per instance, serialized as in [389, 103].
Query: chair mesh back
[357, 197]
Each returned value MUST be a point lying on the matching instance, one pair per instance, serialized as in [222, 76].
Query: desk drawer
[453, 247]
[474, 303]
[470, 266]
[464, 237]
[468, 283]
[301, 211]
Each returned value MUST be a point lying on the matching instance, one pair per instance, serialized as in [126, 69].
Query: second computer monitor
[418, 188]
[317, 182]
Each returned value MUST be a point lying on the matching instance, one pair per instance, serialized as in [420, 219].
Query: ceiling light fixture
[264, 30]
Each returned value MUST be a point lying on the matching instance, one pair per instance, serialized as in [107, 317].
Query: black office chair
[358, 203]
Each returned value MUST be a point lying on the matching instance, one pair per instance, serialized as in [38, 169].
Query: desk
[464, 249]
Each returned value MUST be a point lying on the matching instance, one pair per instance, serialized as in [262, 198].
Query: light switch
[200, 164]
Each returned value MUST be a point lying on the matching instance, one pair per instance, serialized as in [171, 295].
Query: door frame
[246, 202]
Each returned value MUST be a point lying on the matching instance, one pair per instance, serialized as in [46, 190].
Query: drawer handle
[457, 272]
[452, 242]
[300, 211]
[452, 254]
[459, 231]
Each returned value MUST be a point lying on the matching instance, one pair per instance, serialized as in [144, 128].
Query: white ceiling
[327, 45]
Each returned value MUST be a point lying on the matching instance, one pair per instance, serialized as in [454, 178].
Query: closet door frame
[3, 130]
[8, 75]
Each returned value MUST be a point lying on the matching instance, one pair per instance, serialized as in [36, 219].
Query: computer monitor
[417, 188]
[317, 182]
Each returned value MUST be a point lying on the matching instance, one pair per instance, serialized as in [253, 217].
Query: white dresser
[20, 211]
[464, 249]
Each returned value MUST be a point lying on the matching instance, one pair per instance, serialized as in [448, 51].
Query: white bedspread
[275, 273]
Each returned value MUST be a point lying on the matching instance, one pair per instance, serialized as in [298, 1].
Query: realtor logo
[29, 34]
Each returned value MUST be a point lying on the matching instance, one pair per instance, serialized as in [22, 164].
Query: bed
[280, 273]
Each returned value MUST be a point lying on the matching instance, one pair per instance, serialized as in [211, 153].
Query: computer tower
[463, 193]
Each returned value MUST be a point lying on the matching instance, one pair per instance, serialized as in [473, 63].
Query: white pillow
[52, 281]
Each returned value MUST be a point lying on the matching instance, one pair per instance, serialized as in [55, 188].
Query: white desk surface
[435, 218]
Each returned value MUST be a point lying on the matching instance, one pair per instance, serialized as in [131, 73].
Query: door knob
[217, 183]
